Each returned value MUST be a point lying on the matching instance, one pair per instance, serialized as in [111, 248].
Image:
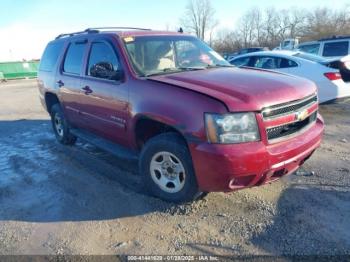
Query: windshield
[310, 57]
[153, 55]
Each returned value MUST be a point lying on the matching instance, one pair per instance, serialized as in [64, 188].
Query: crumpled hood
[242, 89]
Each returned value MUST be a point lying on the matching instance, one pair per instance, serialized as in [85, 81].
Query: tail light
[333, 76]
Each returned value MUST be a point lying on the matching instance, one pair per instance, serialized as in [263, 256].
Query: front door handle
[87, 90]
[60, 83]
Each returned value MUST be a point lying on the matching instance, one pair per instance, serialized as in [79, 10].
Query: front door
[105, 99]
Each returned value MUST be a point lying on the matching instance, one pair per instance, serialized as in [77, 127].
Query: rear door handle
[60, 83]
[87, 90]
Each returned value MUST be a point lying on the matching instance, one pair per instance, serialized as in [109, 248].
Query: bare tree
[325, 22]
[246, 28]
[199, 17]
[271, 26]
[227, 41]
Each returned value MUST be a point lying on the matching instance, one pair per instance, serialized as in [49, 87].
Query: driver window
[103, 62]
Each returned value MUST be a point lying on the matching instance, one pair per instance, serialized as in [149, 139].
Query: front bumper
[226, 168]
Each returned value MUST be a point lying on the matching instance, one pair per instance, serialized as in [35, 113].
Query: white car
[329, 81]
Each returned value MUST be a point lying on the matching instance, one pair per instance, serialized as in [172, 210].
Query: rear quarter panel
[46, 83]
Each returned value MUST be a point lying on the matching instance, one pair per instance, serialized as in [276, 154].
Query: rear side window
[74, 58]
[312, 49]
[50, 56]
[336, 49]
[266, 62]
[286, 63]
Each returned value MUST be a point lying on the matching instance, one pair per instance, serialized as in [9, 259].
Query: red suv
[196, 123]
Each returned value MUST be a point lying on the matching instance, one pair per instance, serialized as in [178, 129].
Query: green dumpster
[16, 70]
[2, 78]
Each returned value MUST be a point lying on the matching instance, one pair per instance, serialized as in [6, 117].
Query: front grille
[286, 108]
[290, 129]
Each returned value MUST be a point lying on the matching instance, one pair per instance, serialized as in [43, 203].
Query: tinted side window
[274, 62]
[312, 49]
[50, 56]
[244, 61]
[103, 62]
[286, 63]
[74, 58]
[266, 62]
[336, 48]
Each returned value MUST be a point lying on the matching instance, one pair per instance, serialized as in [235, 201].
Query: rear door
[105, 99]
[68, 80]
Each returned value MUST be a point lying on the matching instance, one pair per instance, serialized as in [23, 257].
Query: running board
[104, 144]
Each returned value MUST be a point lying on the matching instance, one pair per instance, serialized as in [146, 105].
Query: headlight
[231, 128]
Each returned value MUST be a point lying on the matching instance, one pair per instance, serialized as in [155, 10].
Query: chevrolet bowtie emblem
[301, 115]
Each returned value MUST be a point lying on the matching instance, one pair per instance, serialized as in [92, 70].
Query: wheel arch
[146, 127]
[50, 100]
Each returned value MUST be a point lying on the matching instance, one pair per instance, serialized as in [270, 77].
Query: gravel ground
[81, 200]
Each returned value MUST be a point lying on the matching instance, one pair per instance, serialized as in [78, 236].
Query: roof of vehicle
[120, 31]
[309, 43]
[256, 47]
[333, 38]
[287, 54]
[273, 52]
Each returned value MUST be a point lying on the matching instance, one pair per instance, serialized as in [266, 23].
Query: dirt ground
[81, 200]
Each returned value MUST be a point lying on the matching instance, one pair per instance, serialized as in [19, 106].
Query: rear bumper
[232, 167]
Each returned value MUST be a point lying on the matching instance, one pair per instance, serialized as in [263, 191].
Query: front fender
[179, 108]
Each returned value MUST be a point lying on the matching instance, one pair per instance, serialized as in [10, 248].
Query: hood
[242, 89]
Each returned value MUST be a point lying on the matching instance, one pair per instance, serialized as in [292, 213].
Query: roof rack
[87, 31]
[95, 30]
[335, 37]
[118, 28]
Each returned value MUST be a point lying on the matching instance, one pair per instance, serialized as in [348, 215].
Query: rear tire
[166, 169]
[61, 127]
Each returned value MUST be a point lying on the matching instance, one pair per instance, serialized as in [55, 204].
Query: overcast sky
[27, 25]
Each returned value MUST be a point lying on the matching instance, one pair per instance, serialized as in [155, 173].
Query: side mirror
[105, 70]
[118, 75]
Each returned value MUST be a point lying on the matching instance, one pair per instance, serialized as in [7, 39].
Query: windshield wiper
[218, 65]
[191, 68]
[175, 70]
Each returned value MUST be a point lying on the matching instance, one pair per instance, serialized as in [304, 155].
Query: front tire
[61, 127]
[166, 169]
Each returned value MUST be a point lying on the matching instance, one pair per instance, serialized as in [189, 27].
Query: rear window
[50, 56]
[336, 49]
[74, 58]
[310, 57]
